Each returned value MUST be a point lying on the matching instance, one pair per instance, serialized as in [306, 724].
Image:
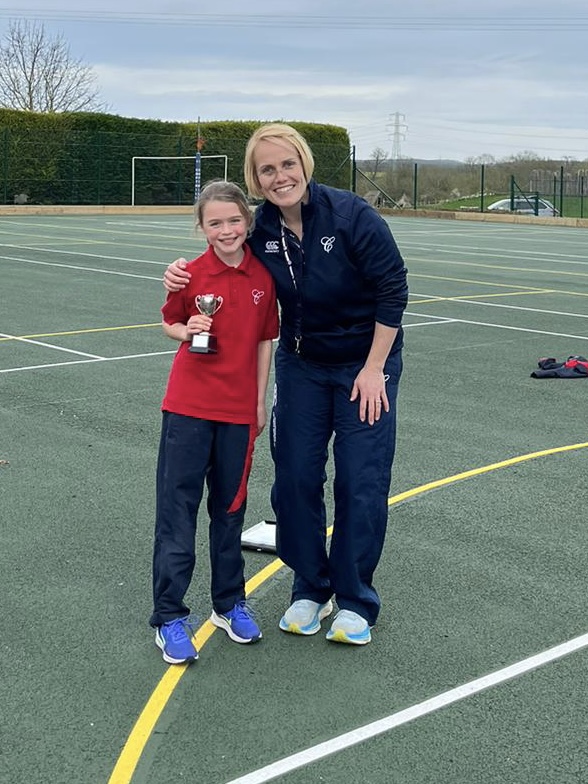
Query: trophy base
[203, 343]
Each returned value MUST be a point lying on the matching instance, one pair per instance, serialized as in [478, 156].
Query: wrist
[374, 367]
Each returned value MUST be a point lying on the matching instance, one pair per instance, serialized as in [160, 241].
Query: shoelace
[181, 627]
[242, 611]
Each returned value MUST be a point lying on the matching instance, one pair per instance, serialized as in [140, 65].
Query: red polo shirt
[222, 386]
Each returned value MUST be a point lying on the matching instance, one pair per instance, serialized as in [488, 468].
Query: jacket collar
[268, 215]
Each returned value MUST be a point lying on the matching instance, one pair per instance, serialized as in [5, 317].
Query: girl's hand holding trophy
[203, 342]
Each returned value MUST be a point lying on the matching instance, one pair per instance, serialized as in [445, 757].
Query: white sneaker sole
[169, 659]
[309, 629]
[340, 635]
[223, 624]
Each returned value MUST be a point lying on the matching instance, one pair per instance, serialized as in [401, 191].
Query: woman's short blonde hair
[275, 132]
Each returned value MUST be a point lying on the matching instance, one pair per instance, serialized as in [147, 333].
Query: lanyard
[298, 319]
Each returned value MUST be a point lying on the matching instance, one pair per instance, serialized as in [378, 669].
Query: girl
[213, 409]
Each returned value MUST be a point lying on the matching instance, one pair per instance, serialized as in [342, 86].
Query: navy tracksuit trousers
[311, 405]
[191, 452]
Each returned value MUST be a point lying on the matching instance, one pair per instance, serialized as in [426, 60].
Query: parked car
[524, 206]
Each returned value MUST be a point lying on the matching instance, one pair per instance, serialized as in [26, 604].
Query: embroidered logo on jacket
[257, 295]
[272, 246]
[327, 243]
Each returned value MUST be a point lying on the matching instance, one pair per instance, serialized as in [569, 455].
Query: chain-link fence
[476, 187]
[104, 167]
[74, 167]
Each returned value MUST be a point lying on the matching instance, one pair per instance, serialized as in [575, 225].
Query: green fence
[91, 165]
[475, 187]
[104, 167]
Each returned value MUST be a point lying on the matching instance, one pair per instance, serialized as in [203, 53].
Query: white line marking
[294, 761]
[84, 361]
[82, 269]
[554, 257]
[525, 270]
[50, 345]
[441, 319]
[440, 297]
[63, 252]
[159, 224]
[569, 314]
[428, 323]
[501, 326]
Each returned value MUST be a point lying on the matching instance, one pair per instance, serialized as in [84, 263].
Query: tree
[378, 157]
[477, 160]
[39, 74]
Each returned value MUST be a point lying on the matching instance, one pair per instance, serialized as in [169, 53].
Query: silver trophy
[205, 342]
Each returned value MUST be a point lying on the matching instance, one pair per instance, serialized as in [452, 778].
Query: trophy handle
[216, 304]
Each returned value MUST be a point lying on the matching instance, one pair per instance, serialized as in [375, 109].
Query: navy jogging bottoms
[191, 451]
[311, 404]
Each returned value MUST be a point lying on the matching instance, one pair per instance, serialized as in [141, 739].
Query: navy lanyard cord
[298, 321]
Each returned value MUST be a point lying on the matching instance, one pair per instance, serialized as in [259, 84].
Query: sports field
[478, 669]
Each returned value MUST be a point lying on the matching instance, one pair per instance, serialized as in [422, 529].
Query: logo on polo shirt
[327, 243]
[272, 246]
[257, 295]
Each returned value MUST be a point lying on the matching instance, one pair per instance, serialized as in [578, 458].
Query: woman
[341, 285]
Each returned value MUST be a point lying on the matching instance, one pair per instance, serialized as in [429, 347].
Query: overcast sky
[425, 79]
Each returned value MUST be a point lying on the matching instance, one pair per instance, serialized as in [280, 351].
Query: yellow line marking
[80, 331]
[483, 470]
[141, 732]
[71, 237]
[526, 289]
[145, 724]
[479, 296]
[500, 294]
[118, 243]
[527, 270]
[474, 282]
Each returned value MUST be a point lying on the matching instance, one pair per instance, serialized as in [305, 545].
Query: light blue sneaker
[349, 627]
[304, 616]
[175, 643]
[238, 623]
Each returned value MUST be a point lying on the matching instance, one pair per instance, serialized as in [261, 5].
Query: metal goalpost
[195, 158]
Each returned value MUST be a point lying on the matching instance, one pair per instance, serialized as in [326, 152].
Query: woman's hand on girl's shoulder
[175, 276]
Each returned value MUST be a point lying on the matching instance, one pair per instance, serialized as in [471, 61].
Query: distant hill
[388, 164]
[438, 162]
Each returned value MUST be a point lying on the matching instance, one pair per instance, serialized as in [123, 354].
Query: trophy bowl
[205, 342]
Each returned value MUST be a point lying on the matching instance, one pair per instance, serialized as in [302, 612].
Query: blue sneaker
[304, 616]
[238, 623]
[174, 642]
[349, 627]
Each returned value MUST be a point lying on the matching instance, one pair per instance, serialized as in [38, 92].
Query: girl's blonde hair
[220, 190]
[275, 132]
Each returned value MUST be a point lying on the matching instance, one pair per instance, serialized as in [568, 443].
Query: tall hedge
[85, 158]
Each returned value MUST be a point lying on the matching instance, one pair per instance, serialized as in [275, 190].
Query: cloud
[223, 82]
[468, 80]
[444, 117]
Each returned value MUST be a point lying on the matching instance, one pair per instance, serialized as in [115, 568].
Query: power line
[460, 129]
[351, 23]
[370, 132]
